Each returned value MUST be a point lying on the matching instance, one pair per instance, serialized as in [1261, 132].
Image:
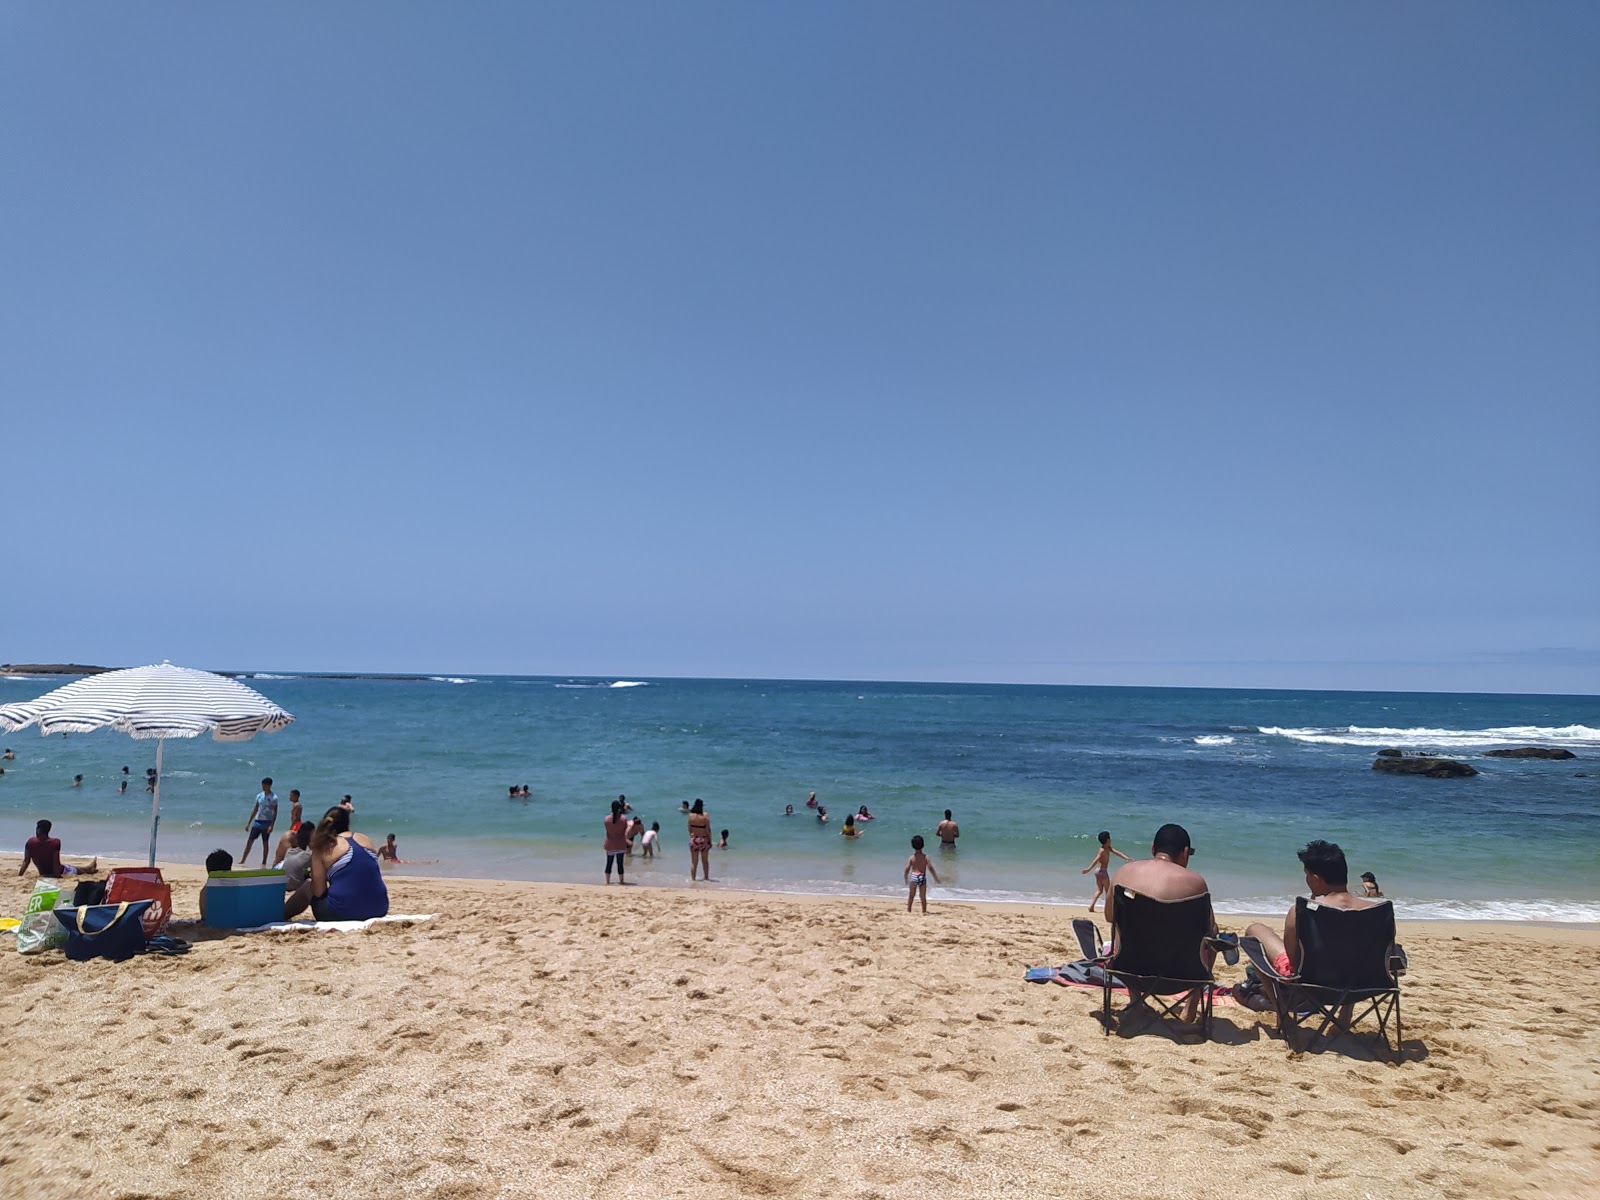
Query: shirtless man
[948, 832]
[1165, 875]
[1328, 877]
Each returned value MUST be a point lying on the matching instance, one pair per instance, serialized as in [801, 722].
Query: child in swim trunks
[918, 868]
[1102, 876]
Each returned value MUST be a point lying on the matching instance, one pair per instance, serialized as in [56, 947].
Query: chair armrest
[1257, 954]
[1228, 944]
[1398, 962]
[1088, 938]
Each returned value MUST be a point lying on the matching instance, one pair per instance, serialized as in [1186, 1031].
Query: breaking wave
[1569, 736]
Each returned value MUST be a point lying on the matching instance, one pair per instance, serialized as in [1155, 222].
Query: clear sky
[1250, 345]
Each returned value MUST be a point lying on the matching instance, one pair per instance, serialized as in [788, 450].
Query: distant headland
[83, 669]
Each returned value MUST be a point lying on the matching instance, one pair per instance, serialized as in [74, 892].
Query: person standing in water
[947, 832]
[1100, 867]
[699, 839]
[616, 841]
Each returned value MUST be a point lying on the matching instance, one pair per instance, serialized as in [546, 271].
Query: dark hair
[42, 828]
[302, 834]
[1327, 860]
[656, 825]
[1171, 839]
[616, 809]
[219, 860]
[334, 822]
[1369, 877]
[916, 841]
[947, 814]
[724, 835]
[266, 783]
[1103, 836]
[699, 805]
[293, 792]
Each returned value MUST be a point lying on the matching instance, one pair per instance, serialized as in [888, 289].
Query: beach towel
[335, 926]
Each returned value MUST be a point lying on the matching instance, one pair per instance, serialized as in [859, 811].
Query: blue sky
[1155, 344]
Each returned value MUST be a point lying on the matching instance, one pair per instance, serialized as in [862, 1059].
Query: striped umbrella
[151, 702]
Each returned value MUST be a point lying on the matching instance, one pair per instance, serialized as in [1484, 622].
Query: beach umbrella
[151, 702]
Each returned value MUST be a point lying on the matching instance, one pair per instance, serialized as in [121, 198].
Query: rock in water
[1432, 768]
[1531, 752]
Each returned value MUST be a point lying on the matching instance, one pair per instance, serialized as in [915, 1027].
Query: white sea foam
[1213, 740]
[1569, 736]
[449, 679]
[630, 683]
[264, 675]
[1540, 908]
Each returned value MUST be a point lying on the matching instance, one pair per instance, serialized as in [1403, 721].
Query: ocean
[1030, 772]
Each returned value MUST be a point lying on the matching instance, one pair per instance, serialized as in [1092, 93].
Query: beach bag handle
[84, 931]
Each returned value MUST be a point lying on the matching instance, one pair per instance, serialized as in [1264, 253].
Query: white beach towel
[335, 926]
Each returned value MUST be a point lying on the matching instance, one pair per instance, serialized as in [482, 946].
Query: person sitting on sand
[1102, 858]
[296, 861]
[652, 838]
[947, 832]
[849, 829]
[1327, 877]
[287, 842]
[390, 850]
[217, 860]
[699, 839]
[346, 882]
[1165, 875]
[1369, 886]
[44, 852]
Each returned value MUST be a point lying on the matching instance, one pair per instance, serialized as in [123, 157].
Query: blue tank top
[356, 891]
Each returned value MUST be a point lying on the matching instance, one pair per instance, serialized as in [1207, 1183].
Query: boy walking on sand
[918, 868]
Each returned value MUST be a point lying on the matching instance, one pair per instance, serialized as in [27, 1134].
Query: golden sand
[561, 1041]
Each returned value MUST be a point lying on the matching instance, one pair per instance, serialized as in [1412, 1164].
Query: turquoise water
[1031, 773]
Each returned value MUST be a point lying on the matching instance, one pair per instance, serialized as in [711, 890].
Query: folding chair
[1156, 953]
[1349, 969]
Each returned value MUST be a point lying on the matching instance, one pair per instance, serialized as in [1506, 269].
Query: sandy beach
[563, 1041]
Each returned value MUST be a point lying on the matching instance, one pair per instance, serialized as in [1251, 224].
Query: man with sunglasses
[1165, 875]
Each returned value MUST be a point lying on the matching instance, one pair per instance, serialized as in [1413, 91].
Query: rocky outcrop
[52, 669]
[1391, 753]
[1431, 768]
[1531, 752]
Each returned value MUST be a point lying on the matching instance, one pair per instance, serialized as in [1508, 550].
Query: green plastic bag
[40, 931]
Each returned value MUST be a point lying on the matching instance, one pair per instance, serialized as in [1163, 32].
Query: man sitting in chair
[1165, 875]
[1328, 878]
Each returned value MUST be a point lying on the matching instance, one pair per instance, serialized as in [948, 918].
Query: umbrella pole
[155, 803]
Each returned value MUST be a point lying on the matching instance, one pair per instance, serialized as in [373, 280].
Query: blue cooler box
[244, 899]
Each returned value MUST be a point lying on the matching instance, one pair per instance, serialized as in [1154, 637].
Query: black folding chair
[1349, 970]
[1156, 954]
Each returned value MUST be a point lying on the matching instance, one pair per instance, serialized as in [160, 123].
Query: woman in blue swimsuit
[345, 882]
